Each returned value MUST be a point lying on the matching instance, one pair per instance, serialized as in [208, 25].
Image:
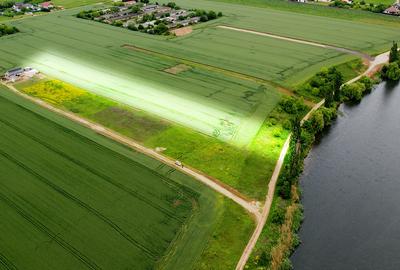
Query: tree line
[391, 72]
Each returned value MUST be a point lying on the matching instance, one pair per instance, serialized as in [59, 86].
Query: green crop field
[370, 38]
[75, 200]
[323, 10]
[90, 55]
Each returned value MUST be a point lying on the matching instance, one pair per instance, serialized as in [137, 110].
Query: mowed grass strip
[79, 203]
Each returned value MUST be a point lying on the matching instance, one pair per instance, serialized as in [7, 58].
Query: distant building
[393, 10]
[149, 8]
[18, 73]
[15, 72]
[129, 3]
[46, 5]
[18, 7]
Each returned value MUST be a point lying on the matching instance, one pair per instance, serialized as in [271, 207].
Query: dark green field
[70, 199]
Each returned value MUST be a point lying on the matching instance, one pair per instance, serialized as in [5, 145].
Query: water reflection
[351, 189]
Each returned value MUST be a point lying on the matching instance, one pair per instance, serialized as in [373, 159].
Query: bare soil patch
[177, 69]
[182, 31]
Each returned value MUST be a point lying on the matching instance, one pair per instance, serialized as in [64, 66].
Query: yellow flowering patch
[54, 91]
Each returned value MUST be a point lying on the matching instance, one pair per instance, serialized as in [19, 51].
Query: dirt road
[218, 187]
[374, 65]
[267, 207]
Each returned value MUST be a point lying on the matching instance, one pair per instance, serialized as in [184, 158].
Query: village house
[149, 8]
[19, 7]
[393, 10]
[46, 5]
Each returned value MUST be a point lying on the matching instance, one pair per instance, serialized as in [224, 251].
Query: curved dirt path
[374, 64]
[301, 41]
[266, 208]
[214, 184]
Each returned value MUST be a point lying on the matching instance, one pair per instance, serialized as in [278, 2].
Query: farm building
[15, 72]
[393, 10]
[46, 5]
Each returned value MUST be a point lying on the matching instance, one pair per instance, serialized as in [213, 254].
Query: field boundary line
[299, 40]
[376, 62]
[214, 184]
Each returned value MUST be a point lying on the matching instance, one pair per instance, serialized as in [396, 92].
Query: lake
[351, 189]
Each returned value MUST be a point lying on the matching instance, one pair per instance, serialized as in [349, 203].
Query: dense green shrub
[7, 30]
[325, 84]
[368, 83]
[292, 105]
[278, 215]
[316, 122]
[329, 114]
[353, 92]
[391, 72]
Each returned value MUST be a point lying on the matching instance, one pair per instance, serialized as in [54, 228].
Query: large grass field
[75, 200]
[90, 55]
[366, 37]
[323, 10]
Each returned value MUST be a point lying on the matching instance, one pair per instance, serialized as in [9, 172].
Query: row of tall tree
[392, 70]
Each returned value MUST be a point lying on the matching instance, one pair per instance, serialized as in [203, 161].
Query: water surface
[351, 189]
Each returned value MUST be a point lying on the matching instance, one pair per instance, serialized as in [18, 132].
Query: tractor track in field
[6, 263]
[127, 190]
[237, 75]
[79, 203]
[54, 236]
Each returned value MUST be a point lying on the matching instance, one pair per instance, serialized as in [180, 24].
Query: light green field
[323, 10]
[89, 55]
[82, 201]
[359, 36]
